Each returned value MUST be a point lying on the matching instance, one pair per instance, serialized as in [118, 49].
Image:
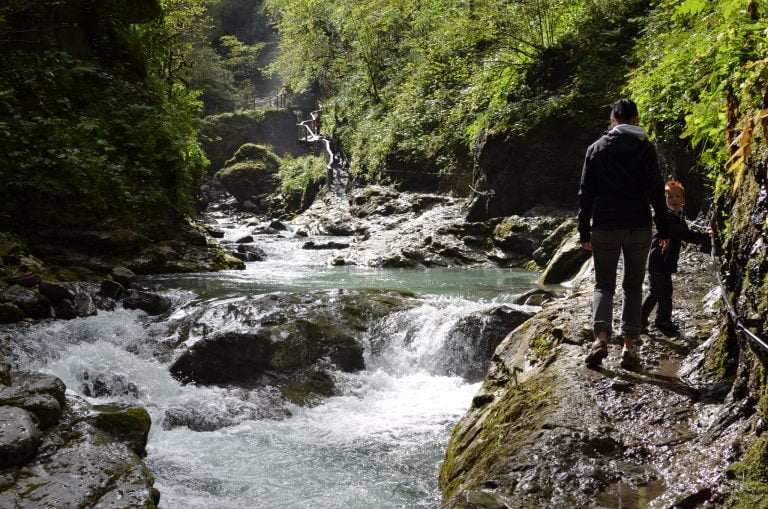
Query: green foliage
[301, 173]
[751, 474]
[700, 61]
[409, 85]
[170, 40]
[81, 139]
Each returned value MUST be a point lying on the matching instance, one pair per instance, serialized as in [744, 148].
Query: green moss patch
[487, 440]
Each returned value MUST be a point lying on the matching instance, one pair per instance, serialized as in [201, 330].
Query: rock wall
[741, 217]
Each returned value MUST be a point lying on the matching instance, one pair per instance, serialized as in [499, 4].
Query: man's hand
[586, 246]
[664, 245]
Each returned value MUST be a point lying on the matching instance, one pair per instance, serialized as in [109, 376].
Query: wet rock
[26, 300]
[65, 309]
[550, 244]
[695, 499]
[244, 240]
[84, 305]
[234, 407]
[124, 276]
[266, 230]
[20, 436]
[277, 339]
[79, 465]
[471, 342]
[225, 358]
[107, 384]
[127, 424]
[278, 225]
[535, 297]
[5, 374]
[195, 419]
[27, 383]
[566, 263]
[43, 406]
[307, 392]
[27, 280]
[377, 200]
[486, 500]
[397, 260]
[55, 292]
[84, 273]
[150, 303]
[325, 245]
[251, 253]
[111, 289]
[39, 394]
[215, 233]
[523, 235]
[104, 303]
[10, 313]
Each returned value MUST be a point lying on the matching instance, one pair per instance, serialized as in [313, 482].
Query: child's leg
[664, 313]
[653, 296]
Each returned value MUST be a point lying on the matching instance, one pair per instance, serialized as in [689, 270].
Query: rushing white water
[377, 444]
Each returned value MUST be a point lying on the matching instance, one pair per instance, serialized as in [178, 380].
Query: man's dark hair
[623, 110]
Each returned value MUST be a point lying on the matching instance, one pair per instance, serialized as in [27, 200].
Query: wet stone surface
[558, 434]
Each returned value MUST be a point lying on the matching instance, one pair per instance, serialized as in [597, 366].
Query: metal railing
[732, 314]
[260, 103]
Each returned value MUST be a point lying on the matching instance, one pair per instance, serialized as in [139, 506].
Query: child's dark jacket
[678, 232]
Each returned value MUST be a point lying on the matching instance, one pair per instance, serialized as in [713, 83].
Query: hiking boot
[597, 352]
[667, 327]
[629, 358]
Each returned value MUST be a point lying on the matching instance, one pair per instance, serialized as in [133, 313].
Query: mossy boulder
[251, 174]
[309, 391]
[281, 339]
[127, 424]
[79, 465]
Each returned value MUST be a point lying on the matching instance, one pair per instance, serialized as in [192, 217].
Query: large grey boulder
[281, 339]
[40, 394]
[79, 465]
[471, 342]
[150, 303]
[566, 262]
[19, 436]
[55, 291]
[549, 245]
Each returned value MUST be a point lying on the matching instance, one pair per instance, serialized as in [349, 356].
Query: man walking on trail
[619, 180]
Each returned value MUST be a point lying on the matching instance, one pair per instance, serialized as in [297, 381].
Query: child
[661, 265]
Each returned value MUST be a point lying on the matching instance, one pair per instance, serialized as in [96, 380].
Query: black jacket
[619, 179]
[678, 233]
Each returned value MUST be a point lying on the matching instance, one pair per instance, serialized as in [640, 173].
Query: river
[377, 443]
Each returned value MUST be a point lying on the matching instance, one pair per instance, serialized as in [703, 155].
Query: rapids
[377, 443]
